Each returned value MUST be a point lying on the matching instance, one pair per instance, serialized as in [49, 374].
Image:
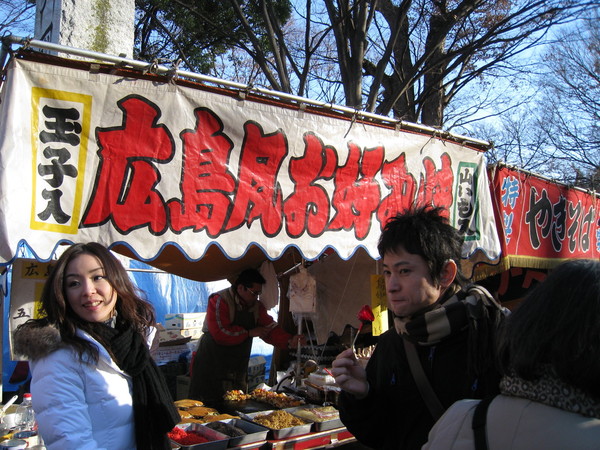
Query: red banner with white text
[541, 222]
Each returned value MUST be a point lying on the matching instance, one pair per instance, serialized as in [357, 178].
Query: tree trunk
[350, 22]
[398, 91]
[432, 112]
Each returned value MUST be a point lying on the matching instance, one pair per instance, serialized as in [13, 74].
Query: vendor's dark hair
[131, 307]
[424, 231]
[248, 277]
[557, 327]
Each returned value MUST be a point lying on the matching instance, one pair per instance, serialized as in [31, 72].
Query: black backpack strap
[478, 424]
[427, 393]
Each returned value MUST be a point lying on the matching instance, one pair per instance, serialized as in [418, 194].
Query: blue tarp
[169, 293]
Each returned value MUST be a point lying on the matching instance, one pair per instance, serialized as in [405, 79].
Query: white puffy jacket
[81, 406]
[515, 424]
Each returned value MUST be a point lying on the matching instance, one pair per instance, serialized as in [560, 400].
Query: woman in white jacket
[550, 391]
[94, 384]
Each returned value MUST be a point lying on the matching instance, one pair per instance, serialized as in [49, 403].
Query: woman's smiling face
[87, 289]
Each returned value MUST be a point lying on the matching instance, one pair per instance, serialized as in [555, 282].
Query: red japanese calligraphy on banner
[541, 222]
[122, 160]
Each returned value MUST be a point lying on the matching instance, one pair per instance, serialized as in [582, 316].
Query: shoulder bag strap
[431, 400]
[478, 424]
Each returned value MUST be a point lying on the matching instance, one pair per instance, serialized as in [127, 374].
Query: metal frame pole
[160, 69]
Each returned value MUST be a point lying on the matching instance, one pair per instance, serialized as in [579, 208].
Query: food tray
[319, 425]
[217, 441]
[254, 432]
[245, 406]
[283, 432]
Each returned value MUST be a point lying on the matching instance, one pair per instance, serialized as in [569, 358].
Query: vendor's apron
[220, 368]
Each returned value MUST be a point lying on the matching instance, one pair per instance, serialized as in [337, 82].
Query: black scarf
[154, 411]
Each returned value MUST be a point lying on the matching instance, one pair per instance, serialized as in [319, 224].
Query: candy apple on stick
[365, 315]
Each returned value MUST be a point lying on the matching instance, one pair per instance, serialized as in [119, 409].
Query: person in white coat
[94, 384]
[550, 390]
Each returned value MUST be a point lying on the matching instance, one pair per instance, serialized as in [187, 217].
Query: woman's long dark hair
[557, 327]
[131, 307]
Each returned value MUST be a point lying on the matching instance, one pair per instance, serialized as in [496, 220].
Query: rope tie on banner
[119, 64]
[352, 121]
[172, 74]
[434, 134]
[242, 94]
[437, 133]
[95, 69]
[301, 109]
[398, 126]
[26, 43]
[152, 67]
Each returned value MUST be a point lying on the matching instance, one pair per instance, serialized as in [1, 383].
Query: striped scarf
[472, 309]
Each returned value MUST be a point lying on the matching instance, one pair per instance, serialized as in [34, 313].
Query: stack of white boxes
[182, 325]
[178, 327]
[256, 371]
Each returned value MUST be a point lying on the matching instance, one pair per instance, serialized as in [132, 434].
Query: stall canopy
[201, 181]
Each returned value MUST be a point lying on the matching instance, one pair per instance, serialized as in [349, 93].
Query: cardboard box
[256, 366]
[184, 320]
[255, 381]
[164, 355]
[256, 371]
[174, 334]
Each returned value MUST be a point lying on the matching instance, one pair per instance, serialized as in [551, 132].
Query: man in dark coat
[448, 325]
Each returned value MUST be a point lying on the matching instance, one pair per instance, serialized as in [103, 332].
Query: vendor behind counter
[234, 317]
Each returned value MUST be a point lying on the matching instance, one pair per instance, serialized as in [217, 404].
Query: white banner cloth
[88, 156]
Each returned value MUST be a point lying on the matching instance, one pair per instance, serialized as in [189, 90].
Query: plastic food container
[321, 378]
[10, 420]
[216, 440]
[283, 432]
[319, 424]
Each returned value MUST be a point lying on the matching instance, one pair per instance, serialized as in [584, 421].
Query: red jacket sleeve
[278, 336]
[219, 324]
